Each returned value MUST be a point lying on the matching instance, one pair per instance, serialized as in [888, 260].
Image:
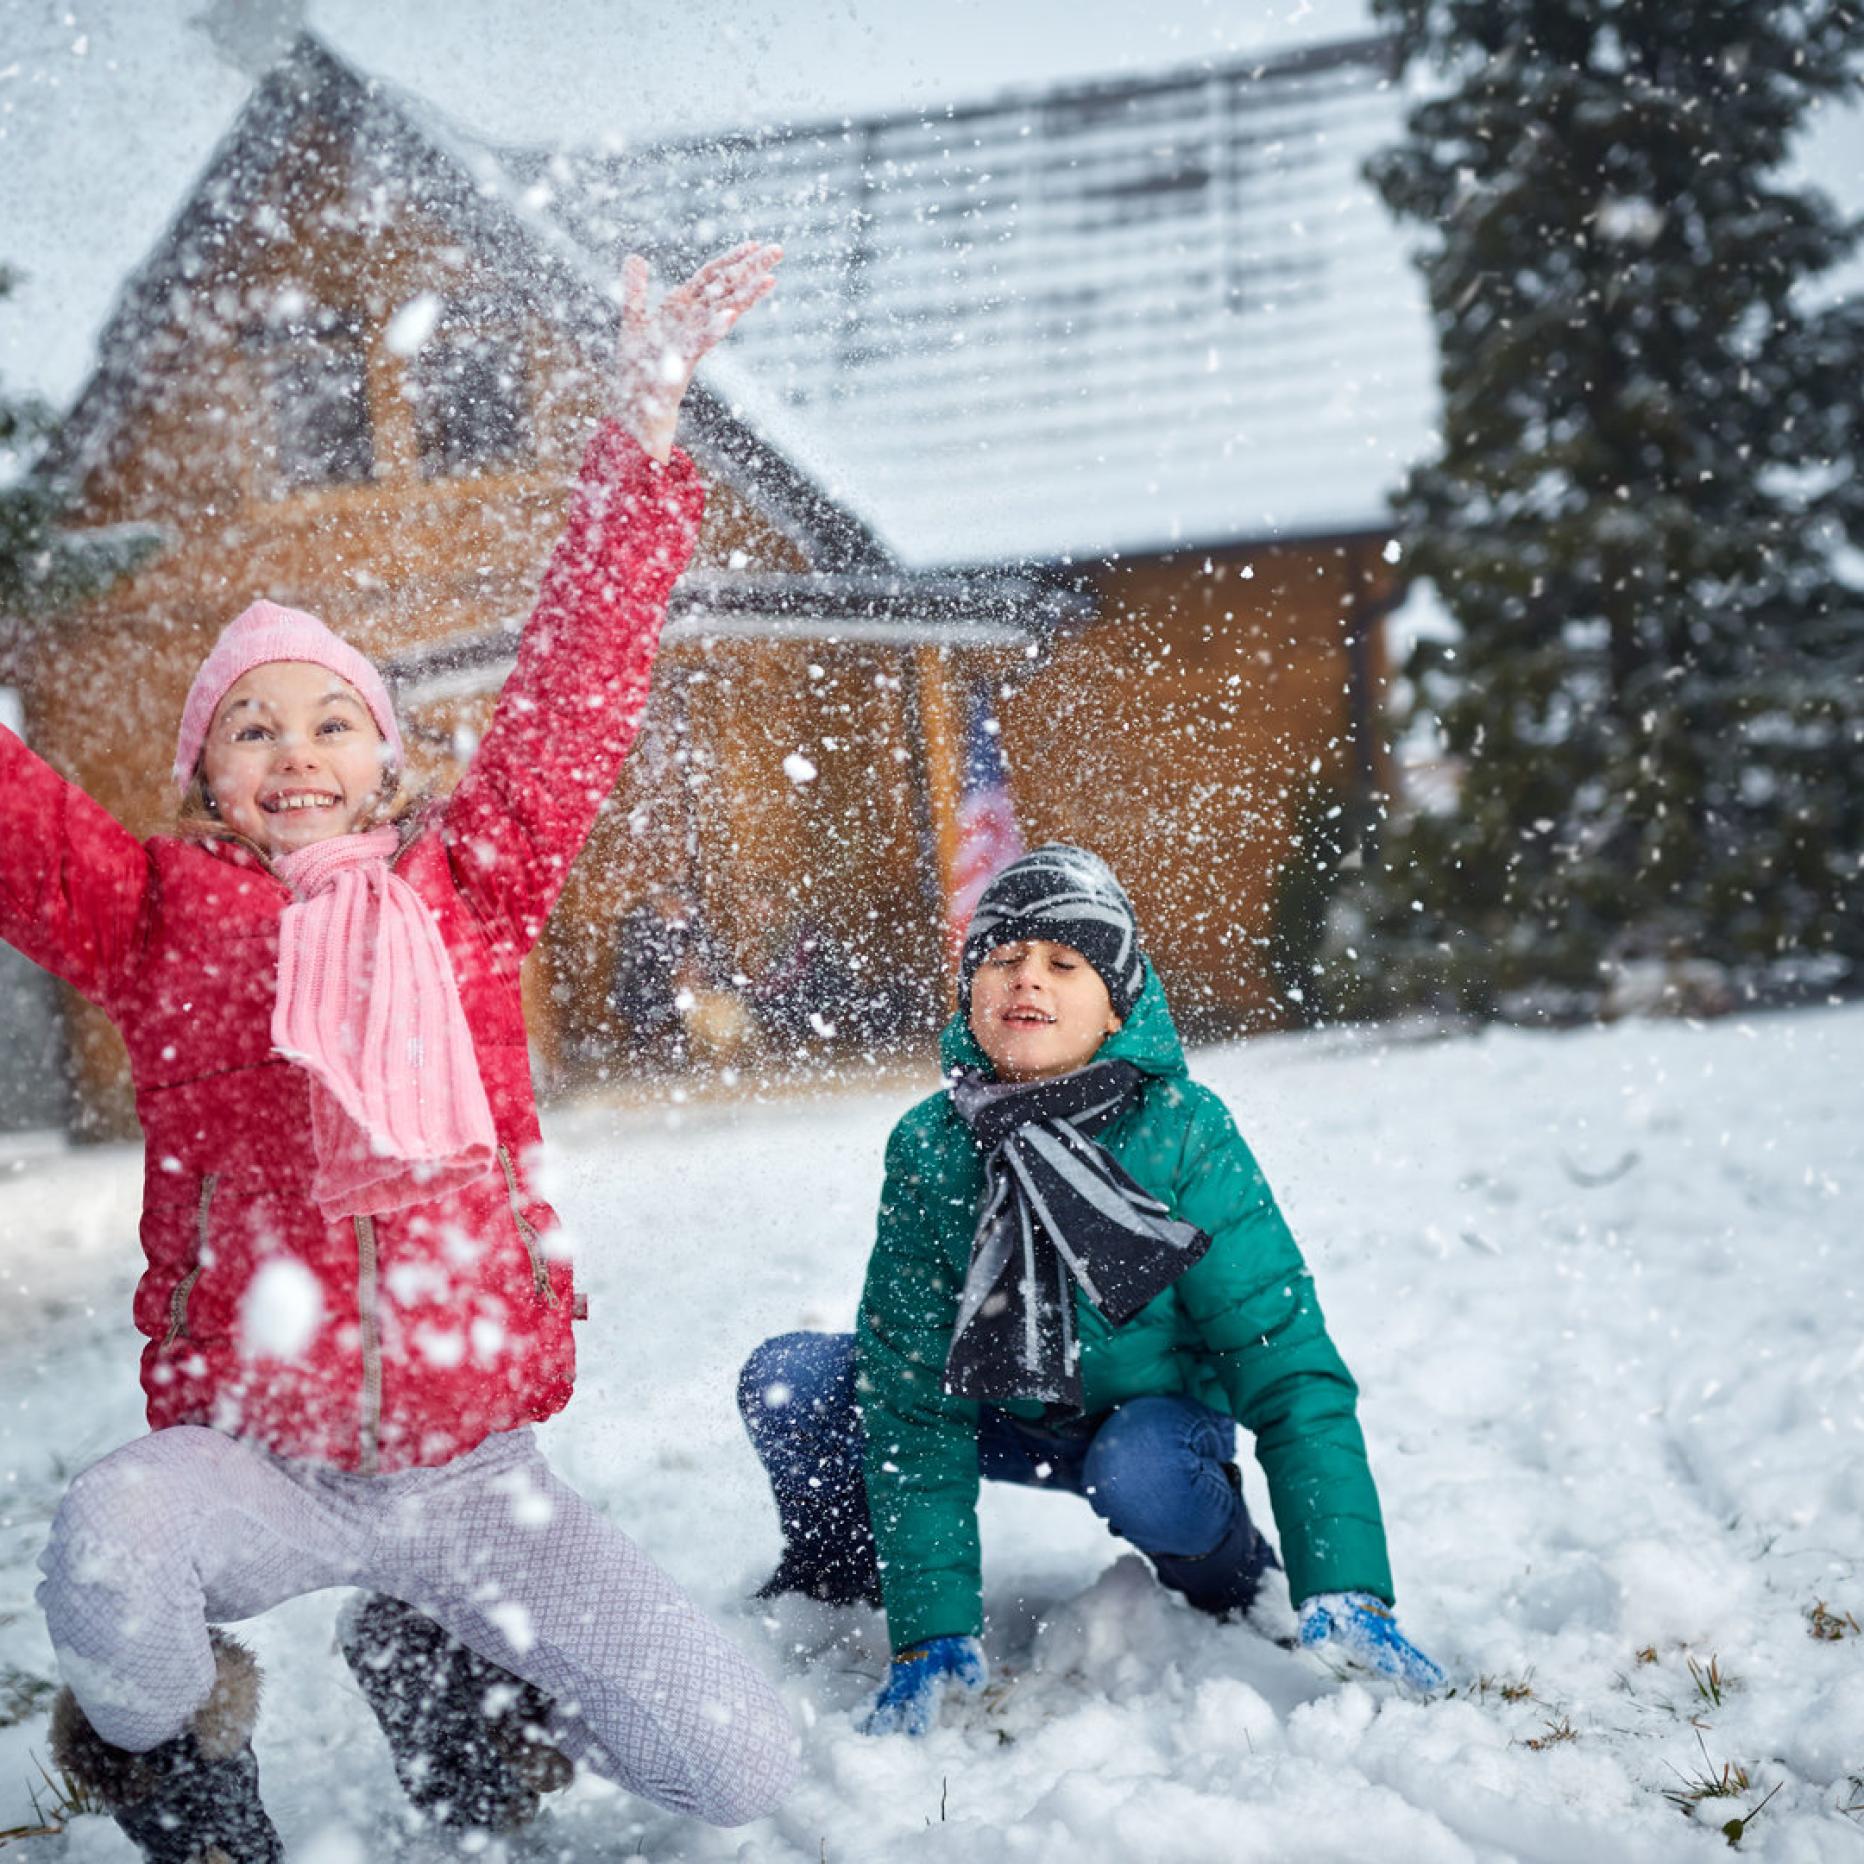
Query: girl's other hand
[661, 343]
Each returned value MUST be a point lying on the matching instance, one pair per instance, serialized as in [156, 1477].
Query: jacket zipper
[540, 1271]
[178, 1301]
[370, 1429]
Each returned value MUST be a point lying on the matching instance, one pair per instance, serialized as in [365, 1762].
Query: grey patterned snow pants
[187, 1527]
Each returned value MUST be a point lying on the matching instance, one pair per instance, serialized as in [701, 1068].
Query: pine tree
[1648, 484]
[41, 567]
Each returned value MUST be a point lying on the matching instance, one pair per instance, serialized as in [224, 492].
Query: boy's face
[1039, 1009]
[293, 756]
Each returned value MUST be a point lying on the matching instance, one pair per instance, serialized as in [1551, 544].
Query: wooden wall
[757, 848]
[1180, 736]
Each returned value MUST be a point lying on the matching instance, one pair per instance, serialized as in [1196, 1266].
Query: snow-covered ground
[1601, 1291]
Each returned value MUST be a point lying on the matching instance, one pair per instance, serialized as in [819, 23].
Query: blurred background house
[1074, 426]
[1051, 495]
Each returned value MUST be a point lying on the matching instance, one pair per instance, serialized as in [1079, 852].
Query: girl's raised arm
[73, 879]
[573, 703]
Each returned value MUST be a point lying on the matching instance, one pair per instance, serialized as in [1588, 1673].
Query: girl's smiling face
[293, 756]
[1039, 1009]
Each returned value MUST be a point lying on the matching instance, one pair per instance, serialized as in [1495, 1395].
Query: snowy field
[1601, 1291]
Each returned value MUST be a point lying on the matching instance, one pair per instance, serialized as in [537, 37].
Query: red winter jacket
[445, 1321]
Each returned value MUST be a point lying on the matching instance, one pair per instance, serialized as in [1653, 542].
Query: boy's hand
[923, 1675]
[1358, 1629]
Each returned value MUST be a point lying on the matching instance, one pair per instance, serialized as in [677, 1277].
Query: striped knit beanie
[264, 633]
[1068, 896]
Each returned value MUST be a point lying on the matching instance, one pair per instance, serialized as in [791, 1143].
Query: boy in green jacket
[1081, 1280]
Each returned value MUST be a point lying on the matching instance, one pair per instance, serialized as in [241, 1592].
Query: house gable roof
[405, 153]
[1107, 318]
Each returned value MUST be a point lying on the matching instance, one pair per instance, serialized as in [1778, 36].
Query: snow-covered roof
[1097, 318]
[408, 153]
[1102, 318]
[105, 118]
[110, 109]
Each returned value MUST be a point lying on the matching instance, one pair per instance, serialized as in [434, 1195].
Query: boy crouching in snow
[1081, 1280]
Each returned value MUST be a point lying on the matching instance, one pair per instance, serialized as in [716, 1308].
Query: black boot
[1224, 1581]
[831, 1558]
[832, 1579]
[194, 1799]
[467, 1737]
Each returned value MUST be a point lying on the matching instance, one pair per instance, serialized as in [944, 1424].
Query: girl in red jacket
[353, 1310]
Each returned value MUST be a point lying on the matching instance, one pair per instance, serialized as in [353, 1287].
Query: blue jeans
[1157, 1470]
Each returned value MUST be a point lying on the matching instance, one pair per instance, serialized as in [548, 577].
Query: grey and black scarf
[1058, 1211]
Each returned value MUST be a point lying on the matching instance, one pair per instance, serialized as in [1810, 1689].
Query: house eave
[897, 609]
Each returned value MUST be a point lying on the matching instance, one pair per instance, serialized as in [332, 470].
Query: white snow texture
[1600, 1290]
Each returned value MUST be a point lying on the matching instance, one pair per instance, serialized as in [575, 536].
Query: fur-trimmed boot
[194, 1799]
[467, 1737]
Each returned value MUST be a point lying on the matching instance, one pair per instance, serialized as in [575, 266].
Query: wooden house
[1155, 340]
[1079, 406]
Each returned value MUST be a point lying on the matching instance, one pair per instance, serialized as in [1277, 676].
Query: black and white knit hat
[1070, 897]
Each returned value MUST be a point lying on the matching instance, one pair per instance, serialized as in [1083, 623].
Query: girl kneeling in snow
[1081, 1281]
[352, 1313]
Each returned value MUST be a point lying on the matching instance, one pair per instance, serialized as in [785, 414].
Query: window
[467, 387]
[317, 380]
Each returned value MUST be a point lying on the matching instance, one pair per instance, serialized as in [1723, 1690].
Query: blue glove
[923, 1675]
[1358, 1628]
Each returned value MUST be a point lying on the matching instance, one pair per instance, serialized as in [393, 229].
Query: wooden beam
[944, 748]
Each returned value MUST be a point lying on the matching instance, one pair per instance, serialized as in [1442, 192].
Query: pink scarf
[368, 1006]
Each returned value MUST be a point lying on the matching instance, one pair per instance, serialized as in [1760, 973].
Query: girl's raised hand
[661, 343]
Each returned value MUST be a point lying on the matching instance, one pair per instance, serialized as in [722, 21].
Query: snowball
[412, 1283]
[444, 1347]
[798, 768]
[413, 324]
[335, 1844]
[282, 1310]
[514, 1624]
[530, 1505]
[1109, 1635]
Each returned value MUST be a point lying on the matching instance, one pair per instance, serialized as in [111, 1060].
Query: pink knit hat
[264, 633]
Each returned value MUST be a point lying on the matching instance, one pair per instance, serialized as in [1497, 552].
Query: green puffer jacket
[1241, 1332]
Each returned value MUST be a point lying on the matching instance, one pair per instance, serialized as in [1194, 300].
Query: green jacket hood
[1148, 1038]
